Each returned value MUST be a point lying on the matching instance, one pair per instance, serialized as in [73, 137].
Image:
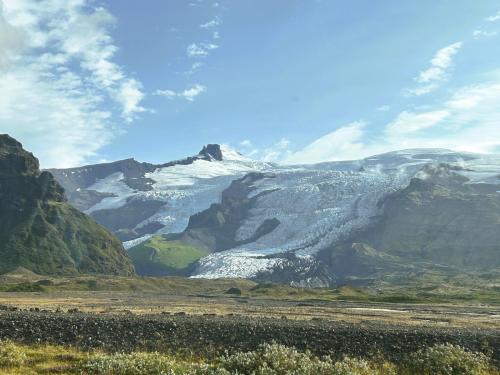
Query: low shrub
[25, 287]
[145, 363]
[273, 359]
[447, 359]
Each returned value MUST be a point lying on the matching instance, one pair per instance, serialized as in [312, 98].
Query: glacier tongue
[315, 207]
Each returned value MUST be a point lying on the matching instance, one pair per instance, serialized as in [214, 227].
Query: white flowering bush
[145, 363]
[273, 359]
[11, 355]
[447, 359]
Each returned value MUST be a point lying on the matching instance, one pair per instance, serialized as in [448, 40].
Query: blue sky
[289, 81]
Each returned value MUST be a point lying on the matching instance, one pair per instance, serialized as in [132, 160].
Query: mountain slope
[40, 231]
[441, 217]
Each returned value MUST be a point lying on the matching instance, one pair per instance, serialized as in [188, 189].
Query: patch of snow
[130, 244]
[112, 184]
[233, 264]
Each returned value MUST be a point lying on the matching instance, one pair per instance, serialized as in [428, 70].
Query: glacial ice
[316, 205]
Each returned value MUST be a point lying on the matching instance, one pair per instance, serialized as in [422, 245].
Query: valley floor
[202, 320]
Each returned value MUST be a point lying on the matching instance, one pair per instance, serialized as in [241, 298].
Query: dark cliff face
[214, 229]
[40, 231]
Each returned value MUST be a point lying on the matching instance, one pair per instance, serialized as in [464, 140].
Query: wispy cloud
[479, 33]
[430, 79]
[411, 122]
[212, 23]
[494, 18]
[341, 144]
[468, 120]
[246, 144]
[58, 71]
[384, 108]
[195, 67]
[189, 94]
[201, 49]
[274, 153]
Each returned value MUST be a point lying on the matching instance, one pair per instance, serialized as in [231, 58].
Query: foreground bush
[269, 359]
[272, 359]
[447, 359]
[140, 363]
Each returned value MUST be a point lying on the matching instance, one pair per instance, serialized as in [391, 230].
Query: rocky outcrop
[40, 231]
[215, 228]
[441, 218]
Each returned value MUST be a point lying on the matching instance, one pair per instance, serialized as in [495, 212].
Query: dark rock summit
[40, 231]
[212, 151]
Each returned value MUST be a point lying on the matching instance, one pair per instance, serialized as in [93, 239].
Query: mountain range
[220, 214]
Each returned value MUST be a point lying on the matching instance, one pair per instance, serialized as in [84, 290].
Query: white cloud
[410, 122]
[246, 143]
[195, 67]
[275, 153]
[12, 40]
[478, 33]
[58, 74]
[430, 79]
[212, 23]
[384, 108]
[200, 50]
[342, 144]
[130, 97]
[494, 18]
[469, 120]
[188, 94]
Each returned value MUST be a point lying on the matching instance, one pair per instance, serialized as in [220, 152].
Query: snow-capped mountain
[136, 200]
[307, 223]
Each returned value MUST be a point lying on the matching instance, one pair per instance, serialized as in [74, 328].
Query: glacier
[316, 205]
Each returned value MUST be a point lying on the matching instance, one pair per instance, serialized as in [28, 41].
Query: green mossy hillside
[40, 231]
[160, 256]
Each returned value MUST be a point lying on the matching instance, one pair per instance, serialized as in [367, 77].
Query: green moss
[159, 256]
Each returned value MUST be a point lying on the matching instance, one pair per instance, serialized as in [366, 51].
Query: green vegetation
[161, 256]
[448, 360]
[40, 231]
[427, 288]
[269, 359]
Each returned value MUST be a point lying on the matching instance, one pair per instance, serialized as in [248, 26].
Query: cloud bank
[62, 92]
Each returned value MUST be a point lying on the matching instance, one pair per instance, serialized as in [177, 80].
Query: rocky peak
[14, 159]
[212, 151]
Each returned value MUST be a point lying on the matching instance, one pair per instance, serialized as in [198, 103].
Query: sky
[287, 81]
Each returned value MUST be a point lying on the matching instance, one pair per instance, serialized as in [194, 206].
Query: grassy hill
[160, 256]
